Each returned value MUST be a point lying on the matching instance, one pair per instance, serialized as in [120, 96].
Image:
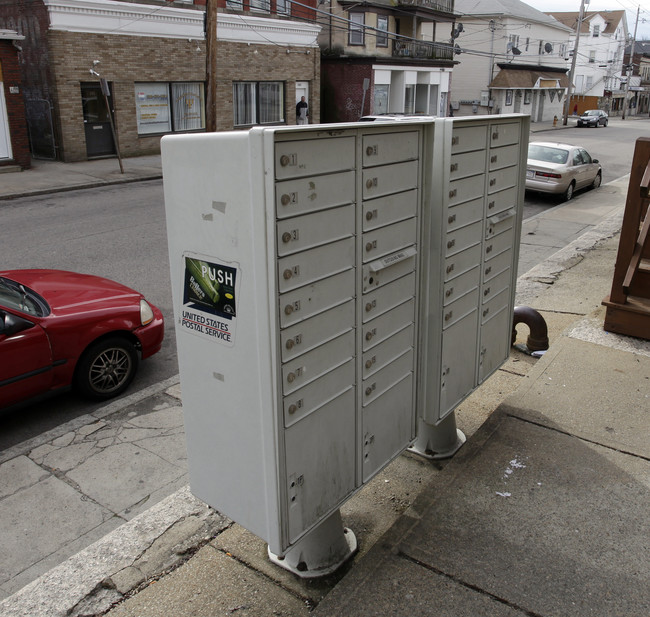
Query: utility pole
[573, 64]
[211, 65]
[630, 66]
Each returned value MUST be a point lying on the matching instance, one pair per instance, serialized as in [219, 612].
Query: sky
[643, 30]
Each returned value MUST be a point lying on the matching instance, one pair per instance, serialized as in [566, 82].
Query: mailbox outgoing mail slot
[295, 278]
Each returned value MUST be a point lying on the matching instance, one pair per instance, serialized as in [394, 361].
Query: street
[119, 232]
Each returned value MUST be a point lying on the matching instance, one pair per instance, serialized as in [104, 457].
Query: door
[5, 138]
[97, 125]
[25, 360]
[302, 89]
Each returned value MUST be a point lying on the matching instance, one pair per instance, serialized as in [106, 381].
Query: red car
[61, 329]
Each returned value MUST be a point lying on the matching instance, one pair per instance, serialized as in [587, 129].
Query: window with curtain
[357, 22]
[382, 31]
[244, 103]
[169, 107]
[260, 5]
[188, 112]
[258, 102]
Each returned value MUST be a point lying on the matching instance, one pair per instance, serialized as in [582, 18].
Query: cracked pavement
[72, 490]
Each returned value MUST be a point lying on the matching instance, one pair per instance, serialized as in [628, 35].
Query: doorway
[5, 138]
[97, 124]
[302, 89]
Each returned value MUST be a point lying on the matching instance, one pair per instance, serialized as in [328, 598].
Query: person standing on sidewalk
[302, 111]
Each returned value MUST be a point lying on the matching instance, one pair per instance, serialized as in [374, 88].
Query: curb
[79, 187]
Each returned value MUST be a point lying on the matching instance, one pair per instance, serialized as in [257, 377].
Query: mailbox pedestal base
[321, 551]
[440, 441]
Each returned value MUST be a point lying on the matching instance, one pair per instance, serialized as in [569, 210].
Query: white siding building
[513, 60]
[599, 63]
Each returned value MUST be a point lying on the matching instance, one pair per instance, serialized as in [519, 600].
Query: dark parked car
[61, 329]
[593, 117]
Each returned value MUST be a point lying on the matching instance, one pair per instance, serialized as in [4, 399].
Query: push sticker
[209, 299]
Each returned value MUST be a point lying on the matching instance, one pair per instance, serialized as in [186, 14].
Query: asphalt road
[119, 232]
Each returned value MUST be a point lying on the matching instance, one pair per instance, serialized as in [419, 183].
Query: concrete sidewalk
[542, 512]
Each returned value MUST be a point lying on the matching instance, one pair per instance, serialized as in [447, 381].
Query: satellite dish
[548, 48]
[457, 49]
[515, 51]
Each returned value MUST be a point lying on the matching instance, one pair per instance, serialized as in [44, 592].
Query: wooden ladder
[628, 305]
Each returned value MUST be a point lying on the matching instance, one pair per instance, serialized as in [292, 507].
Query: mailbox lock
[491, 205]
[287, 274]
[368, 363]
[370, 150]
[368, 335]
[369, 246]
[368, 391]
[449, 292]
[493, 159]
[449, 315]
[290, 343]
[368, 307]
[291, 377]
[495, 135]
[369, 216]
[452, 194]
[285, 199]
[488, 270]
[451, 243]
[293, 409]
[486, 291]
[370, 182]
[488, 249]
[286, 237]
[450, 268]
[288, 309]
[451, 219]
[455, 140]
[453, 167]
[284, 160]
[493, 181]
[485, 312]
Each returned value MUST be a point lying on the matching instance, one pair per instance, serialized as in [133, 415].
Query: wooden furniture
[628, 305]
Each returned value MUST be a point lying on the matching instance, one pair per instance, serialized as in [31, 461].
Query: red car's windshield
[15, 296]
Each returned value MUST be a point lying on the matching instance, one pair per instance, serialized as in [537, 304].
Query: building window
[541, 48]
[592, 56]
[258, 102]
[169, 107]
[357, 22]
[282, 7]
[237, 5]
[563, 50]
[260, 5]
[527, 42]
[596, 31]
[382, 31]
[589, 82]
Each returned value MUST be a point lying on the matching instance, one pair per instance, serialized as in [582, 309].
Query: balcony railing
[423, 50]
[444, 6]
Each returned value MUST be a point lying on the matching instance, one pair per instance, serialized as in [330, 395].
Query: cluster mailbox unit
[338, 290]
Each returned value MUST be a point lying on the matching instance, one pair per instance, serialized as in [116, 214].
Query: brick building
[386, 56]
[152, 61]
[14, 145]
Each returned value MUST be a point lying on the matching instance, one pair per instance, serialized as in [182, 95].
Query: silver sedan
[560, 169]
